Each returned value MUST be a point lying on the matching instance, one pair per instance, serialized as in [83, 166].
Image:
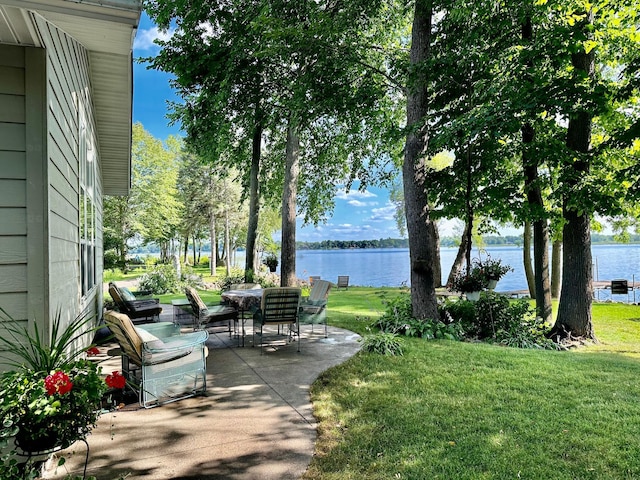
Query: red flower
[58, 382]
[93, 351]
[116, 380]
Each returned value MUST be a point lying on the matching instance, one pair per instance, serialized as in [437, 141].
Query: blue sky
[364, 215]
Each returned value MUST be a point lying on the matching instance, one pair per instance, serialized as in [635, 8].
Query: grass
[457, 410]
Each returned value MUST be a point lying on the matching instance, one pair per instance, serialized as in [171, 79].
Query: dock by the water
[598, 285]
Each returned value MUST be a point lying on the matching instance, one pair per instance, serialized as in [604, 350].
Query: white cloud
[357, 203]
[145, 38]
[355, 194]
[383, 214]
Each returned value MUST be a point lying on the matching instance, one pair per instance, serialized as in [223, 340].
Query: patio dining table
[246, 301]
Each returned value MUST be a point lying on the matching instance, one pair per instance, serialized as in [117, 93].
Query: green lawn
[459, 410]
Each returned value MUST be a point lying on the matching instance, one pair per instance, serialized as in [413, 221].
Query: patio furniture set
[164, 364]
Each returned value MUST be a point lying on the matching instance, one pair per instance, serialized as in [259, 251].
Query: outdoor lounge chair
[145, 310]
[343, 282]
[313, 309]
[204, 315]
[279, 306]
[158, 361]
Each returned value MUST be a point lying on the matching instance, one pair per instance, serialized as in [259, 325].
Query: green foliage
[26, 404]
[190, 277]
[267, 279]
[111, 259]
[397, 318]
[495, 318]
[474, 281]
[492, 313]
[161, 279]
[383, 343]
[434, 329]
[523, 329]
[459, 311]
[493, 268]
[271, 261]
[21, 348]
[51, 394]
[236, 276]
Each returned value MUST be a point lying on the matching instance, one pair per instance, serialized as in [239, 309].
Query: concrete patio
[256, 421]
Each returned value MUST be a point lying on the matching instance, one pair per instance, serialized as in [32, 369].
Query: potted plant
[271, 261]
[52, 395]
[494, 271]
[470, 283]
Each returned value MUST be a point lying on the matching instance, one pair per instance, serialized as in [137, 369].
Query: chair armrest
[177, 343]
[161, 330]
[142, 293]
[150, 302]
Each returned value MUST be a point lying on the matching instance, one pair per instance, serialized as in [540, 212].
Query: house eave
[106, 30]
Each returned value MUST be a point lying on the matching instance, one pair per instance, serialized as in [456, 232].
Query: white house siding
[68, 100]
[13, 184]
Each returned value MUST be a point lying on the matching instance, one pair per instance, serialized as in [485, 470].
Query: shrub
[397, 318]
[190, 278]
[495, 318]
[161, 279]
[111, 260]
[267, 279]
[236, 276]
[430, 329]
[524, 329]
[492, 313]
[383, 343]
[397, 315]
[459, 311]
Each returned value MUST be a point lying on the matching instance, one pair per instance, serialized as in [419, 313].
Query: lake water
[390, 267]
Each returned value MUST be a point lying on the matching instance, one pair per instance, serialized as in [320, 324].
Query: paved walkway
[256, 421]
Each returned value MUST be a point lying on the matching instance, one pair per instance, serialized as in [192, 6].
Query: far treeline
[489, 241]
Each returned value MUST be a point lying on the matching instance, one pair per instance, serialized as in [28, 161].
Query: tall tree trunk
[464, 247]
[254, 202]
[556, 267]
[437, 263]
[213, 261]
[194, 249]
[574, 309]
[526, 259]
[122, 207]
[227, 242]
[469, 210]
[289, 208]
[420, 227]
[536, 203]
[540, 228]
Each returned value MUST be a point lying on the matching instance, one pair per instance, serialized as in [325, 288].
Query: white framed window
[87, 206]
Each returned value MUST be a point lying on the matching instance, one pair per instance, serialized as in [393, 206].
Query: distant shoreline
[370, 245]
